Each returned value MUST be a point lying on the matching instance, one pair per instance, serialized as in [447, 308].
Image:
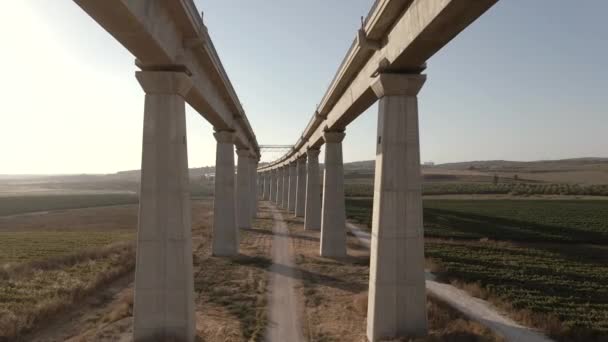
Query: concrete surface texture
[253, 195]
[261, 186]
[243, 189]
[301, 186]
[164, 286]
[293, 183]
[397, 295]
[279, 201]
[285, 201]
[225, 230]
[333, 215]
[312, 210]
[274, 186]
[266, 186]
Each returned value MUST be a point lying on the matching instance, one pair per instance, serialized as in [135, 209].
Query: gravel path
[476, 309]
[284, 319]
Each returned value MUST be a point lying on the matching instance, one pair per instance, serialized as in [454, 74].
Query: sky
[526, 81]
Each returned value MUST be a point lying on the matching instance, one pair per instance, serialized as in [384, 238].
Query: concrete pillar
[262, 184]
[225, 232]
[243, 189]
[333, 215]
[312, 213]
[273, 185]
[397, 294]
[285, 201]
[254, 188]
[301, 186]
[293, 183]
[164, 285]
[279, 187]
[267, 184]
[260, 177]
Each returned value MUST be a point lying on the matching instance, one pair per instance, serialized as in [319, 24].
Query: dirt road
[284, 319]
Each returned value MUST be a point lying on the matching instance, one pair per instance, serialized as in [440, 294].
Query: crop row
[517, 220]
[517, 189]
[19, 247]
[543, 280]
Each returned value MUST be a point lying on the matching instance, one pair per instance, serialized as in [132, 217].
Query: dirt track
[284, 320]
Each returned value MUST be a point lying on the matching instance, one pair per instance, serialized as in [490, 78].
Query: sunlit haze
[526, 81]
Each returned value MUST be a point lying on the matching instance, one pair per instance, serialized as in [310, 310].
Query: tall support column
[262, 180]
[267, 184]
[164, 285]
[225, 232]
[285, 201]
[333, 216]
[397, 294]
[243, 189]
[293, 183]
[301, 186]
[312, 213]
[279, 187]
[273, 185]
[254, 188]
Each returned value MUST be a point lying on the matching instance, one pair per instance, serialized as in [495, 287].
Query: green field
[517, 220]
[12, 205]
[548, 257]
[565, 282]
[18, 247]
[365, 188]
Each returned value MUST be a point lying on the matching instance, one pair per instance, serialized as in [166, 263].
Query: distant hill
[544, 165]
[576, 168]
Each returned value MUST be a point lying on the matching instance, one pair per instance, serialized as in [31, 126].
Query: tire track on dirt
[284, 319]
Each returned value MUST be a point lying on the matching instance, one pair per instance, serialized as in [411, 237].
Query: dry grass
[106, 315]
[447, 324]
[232, 303]
[35, 292]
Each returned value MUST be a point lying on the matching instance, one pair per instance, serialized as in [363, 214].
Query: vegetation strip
[33, 292]
[542, 261]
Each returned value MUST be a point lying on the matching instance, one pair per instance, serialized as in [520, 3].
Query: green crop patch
[548, 257]
[519, 220]
[543, 279]
[13, 205]
[580, 221]
[18, 247]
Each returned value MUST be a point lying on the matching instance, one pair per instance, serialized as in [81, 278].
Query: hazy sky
[527, 81]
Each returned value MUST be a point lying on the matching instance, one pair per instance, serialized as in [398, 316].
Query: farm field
[365, 187]
[57, 262]
[543, 261]
[558, 288]
[13, 205]
[52, 260]
[20, 247]
[16, 204]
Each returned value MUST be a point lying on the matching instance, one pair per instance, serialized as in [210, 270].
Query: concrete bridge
[179, 64]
